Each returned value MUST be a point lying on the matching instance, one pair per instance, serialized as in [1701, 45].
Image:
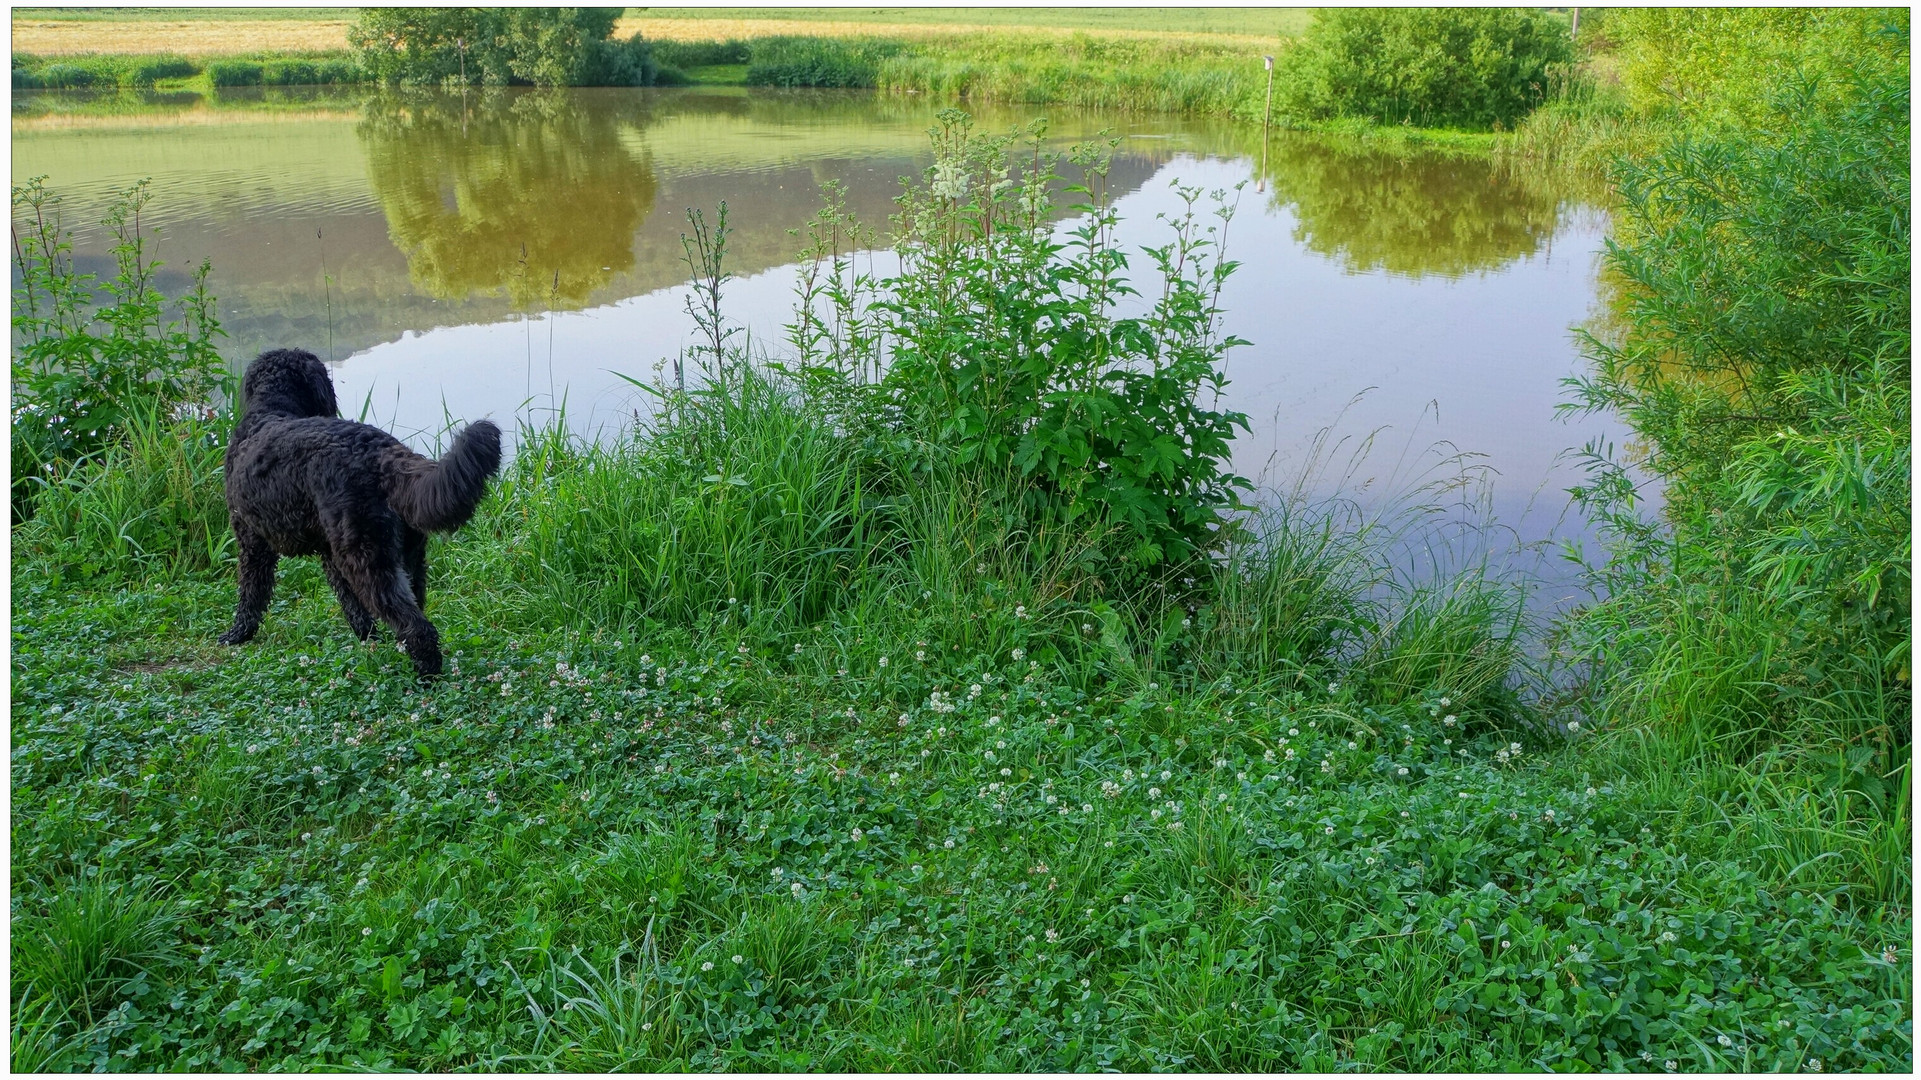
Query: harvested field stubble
[48, 37]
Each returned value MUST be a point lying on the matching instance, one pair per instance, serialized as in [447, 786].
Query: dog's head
[288, 382]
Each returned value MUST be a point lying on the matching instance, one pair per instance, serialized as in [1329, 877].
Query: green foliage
[739, 501]
[84, 370]
[1430, 67]
[1126, 75]
[1728, 65]
[1007, 354]
[235, 72]
[829, 63]
[692, 54]
[153, 501]
[126, 72]
[1762, 354]
[498, 46]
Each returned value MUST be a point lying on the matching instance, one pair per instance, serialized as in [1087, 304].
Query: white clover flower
[706, 965]
[796, 888]
[856, 835]
[1019, 655]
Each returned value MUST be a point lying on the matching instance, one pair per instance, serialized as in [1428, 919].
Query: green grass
[314, 862]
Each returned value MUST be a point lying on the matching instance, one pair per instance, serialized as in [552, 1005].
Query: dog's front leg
[257, 563]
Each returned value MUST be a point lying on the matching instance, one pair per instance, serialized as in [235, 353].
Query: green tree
[498, 46]
[1430, 67]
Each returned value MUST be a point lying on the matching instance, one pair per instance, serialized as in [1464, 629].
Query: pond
[500, 254]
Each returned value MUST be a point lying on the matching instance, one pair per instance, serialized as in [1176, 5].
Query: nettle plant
[92, 357]
[999, 348]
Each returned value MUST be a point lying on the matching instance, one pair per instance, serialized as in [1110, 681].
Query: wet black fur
[302, 481]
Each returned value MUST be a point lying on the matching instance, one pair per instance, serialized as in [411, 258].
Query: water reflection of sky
[493, 256]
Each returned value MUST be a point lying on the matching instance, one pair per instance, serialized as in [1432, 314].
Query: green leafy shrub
[690, 54]
[619, 63]
[1430, 67]
[236, 72]
[62, 76]
[1728, 65]
[1007, 354]
[827, 63]
[82, 371]
[1762, 353]
[147, 70]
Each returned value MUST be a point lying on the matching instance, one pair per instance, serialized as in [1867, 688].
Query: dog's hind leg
[368, 555]
[257, 563]
[394, 602]
[358, 616]
[413, 554]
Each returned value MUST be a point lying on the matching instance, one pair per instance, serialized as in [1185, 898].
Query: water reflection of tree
[533, 193]
[1411, 214]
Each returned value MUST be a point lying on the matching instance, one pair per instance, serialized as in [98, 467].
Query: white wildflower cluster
[1508, 754]
[939, 702]
[950, 180]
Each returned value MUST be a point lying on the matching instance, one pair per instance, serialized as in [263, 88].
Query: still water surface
[495, 255]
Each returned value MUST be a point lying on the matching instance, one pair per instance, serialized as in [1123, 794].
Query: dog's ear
[322, 384]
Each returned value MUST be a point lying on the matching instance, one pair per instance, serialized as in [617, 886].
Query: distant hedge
[139, 72]
[90, 71]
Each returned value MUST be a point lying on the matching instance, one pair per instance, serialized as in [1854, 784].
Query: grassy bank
[672, 850]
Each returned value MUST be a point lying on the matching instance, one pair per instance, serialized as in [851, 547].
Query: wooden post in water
[1574, 28]
[1267, 116]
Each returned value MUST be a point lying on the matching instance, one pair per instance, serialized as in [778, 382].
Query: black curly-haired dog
[303, 481]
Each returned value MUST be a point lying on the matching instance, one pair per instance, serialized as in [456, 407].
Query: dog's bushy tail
[441, 496]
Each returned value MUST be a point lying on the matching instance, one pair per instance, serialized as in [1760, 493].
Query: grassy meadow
[924, 694]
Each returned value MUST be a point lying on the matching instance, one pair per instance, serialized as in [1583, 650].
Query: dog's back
[292, 454]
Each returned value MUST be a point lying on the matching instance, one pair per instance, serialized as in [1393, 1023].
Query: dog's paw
[236, 636]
